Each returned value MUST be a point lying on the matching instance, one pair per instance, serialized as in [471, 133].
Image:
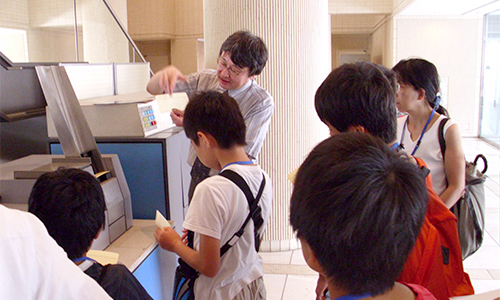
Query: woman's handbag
[469, 209]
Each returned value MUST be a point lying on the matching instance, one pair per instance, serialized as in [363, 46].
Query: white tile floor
[288, 277]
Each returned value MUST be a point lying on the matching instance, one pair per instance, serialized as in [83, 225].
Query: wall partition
[90, 31]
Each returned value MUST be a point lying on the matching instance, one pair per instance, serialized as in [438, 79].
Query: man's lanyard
[421, 135]
[353, 297]
[246, 162]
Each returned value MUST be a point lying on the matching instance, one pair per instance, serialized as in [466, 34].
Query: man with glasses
[241, 58]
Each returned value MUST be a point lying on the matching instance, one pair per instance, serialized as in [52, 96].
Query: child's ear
[207, 139]
[98, 233]
[357, 128]
[310, 258]
[202, 138]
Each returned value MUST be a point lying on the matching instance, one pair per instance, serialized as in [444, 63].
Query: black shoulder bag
[469, 209]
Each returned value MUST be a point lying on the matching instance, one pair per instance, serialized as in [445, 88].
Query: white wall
[454, 45]
[382, 43]
[346, 43]
[47, 45]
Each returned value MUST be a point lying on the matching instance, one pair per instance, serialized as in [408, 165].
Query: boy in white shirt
[34, 266]
[219, 207]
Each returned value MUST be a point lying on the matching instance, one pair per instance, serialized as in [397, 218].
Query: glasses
[231, 70]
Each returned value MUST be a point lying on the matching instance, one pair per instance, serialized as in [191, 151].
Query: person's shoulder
[117, 270]
[450, 125]
[113, 275]
[94, 271]
[9, 213]
[213, 185]
[260, 92]
[118, 281]
[253, 174]
[25, 221]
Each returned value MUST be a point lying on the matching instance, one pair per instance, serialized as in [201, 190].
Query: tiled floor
[288, 277]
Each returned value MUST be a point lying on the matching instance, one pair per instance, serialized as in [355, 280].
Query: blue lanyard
[395, 146]
[246, 162]
[421, 135]
[353, 297]
[83, 258]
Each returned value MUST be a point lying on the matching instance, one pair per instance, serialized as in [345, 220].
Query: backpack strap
[255, 211]
[442, 141]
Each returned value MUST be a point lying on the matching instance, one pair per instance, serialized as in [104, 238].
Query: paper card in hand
[160, 220]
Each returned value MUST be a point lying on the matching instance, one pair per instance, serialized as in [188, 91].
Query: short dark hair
[246, 50]
[359, 206]
[358, 94]
[391, 76]
[218, 115]
[70, 203]
[421, 74]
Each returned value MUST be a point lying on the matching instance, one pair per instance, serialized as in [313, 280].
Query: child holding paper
[219, 207]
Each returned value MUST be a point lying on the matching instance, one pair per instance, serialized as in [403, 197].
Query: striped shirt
[255, 103]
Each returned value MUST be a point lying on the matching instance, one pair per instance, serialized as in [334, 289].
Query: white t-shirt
[218, 209]
[429, 150]
[33, 266]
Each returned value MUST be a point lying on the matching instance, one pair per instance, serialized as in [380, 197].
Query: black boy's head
[246, 50]
[70, 203]
[358, 95]
[359, 206]
[218, 115]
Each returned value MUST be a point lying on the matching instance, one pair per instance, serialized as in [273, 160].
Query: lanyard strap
[246, 162]
[83, 258]
[354, 297]
[421, 135]
[395, 146]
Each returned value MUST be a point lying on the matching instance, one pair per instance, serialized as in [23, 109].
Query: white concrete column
[297, 34]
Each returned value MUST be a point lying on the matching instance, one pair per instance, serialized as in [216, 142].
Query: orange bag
[436, 260]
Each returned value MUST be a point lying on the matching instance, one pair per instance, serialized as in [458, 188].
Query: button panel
[148, 118]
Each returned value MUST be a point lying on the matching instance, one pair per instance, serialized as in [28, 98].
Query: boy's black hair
[421, 74]
[70, 203]
[246, 50]
[358, 94]
[218, 115]
[359, 206]
[391, 76]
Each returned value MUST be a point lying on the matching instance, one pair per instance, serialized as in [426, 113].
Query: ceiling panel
[364, 16]
[450, 7]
